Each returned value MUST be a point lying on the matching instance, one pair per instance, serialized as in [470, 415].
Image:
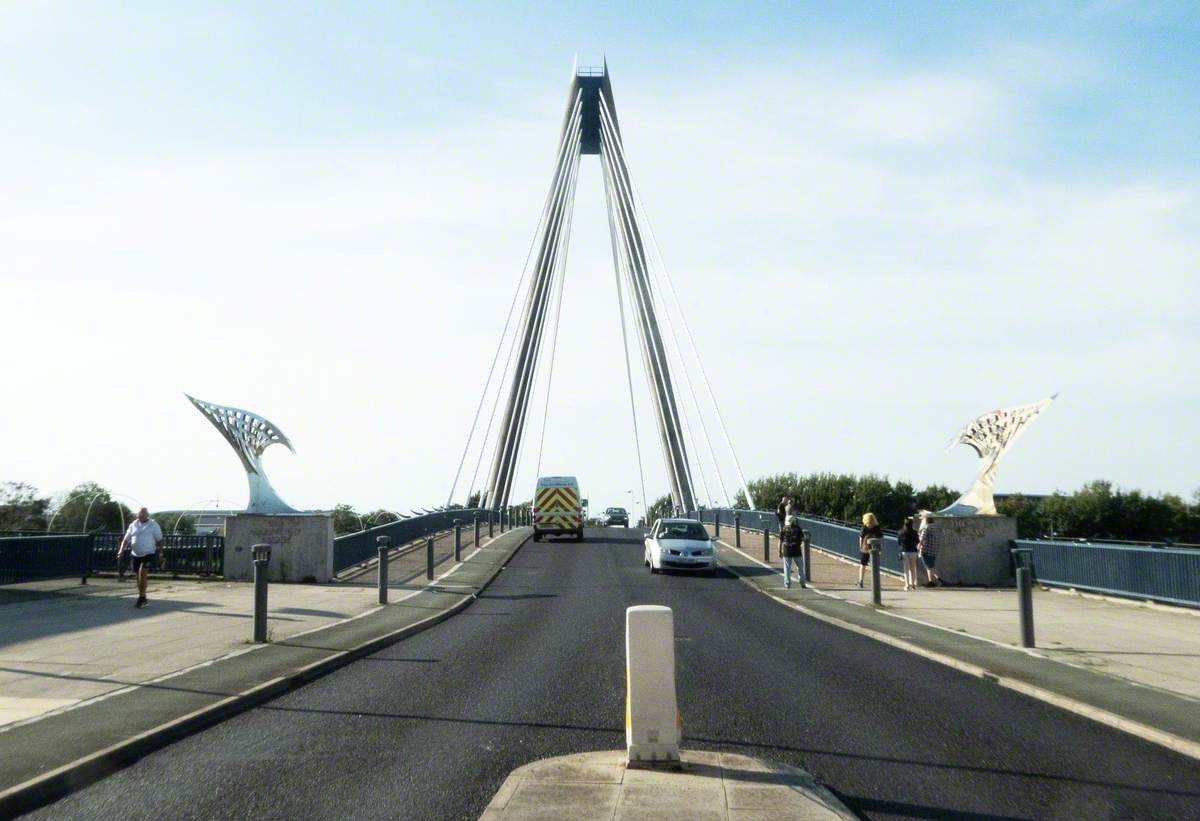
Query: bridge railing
[193, 554]
[1165, 574]
[826, 534]
[354, 548]
[29, 558]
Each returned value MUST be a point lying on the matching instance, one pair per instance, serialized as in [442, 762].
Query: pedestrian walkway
[105, 720]
[63, 643]
[1131, 665]
[1149, 644]
[407, 562]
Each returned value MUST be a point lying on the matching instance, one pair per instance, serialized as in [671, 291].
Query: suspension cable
[564, 142]
[549, 255]
[692, 343]
[562, 278]
[655, 359]
[618, 264]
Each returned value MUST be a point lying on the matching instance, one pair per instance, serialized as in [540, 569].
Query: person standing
[143, 539]
[929, 541]
[909, 539]
[790, 548]
[871, 529]
[781, 512]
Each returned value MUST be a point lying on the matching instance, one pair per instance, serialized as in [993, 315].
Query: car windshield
[615, 510]
[682, 530]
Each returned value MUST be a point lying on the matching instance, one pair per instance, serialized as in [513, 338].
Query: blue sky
[970, 205]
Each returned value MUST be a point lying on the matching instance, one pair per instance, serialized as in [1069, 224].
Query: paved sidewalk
[147, 699]
[1151, 645]
[1132, 666]
[709, 787]
[62, 643]
[407, 562]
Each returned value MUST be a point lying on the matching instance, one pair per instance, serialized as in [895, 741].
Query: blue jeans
[788, 562]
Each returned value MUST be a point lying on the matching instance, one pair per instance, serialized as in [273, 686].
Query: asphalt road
[429, 728]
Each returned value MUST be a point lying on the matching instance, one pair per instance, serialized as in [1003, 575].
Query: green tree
[346, 519]
[473, 500]
[173, 521]
[934, 497]
[380, 517]
[660, 508]
[1028, 513]
[877, 495]
[21, 508]
[91, 506]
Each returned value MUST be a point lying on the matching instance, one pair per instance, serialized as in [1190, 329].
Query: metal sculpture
[250, 435]
[990, 436]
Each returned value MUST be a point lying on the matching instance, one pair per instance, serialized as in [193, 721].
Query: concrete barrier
[652, 722]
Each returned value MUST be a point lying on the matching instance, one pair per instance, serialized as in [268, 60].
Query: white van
[557, 509]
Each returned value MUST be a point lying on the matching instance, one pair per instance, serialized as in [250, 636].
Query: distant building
[207, 521]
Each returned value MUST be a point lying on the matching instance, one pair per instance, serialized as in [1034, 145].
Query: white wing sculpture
[249, 435]
[990, 436]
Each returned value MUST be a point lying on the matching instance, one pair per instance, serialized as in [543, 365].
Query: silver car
[679, 544]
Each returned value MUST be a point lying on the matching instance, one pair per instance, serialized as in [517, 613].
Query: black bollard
[457, 541]
[1024, 557]
[737, 529]
[876, 586]
[382, 545]
[429, 558]
[262, 560]
[476, 530]
[806, 548]
[766, 541]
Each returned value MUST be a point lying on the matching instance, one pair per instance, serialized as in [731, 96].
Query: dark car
[615, 517]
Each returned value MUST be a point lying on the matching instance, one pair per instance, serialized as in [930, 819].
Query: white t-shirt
[143, 537]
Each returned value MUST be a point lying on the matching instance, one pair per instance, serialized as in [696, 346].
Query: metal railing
[827, 534]
[1163, 574]
[355, 548]
[201, 555]
[28, 558]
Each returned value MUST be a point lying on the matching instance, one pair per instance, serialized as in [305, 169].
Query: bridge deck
[430, 727]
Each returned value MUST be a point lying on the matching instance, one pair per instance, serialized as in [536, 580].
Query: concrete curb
[708, 784]
[1145, 732]
[63, 780]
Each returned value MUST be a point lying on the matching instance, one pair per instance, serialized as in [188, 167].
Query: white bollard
[652, 722]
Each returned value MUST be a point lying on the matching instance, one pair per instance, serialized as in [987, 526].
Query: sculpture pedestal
[301, 546]
[975, 550]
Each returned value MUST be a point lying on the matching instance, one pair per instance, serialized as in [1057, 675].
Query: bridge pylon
[589, 127]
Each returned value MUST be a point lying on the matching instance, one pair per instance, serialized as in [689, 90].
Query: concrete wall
[975, 549]
[301, 546]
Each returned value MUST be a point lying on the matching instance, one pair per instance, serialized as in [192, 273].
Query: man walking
[929, 538]
[791, 549]
[144, 540]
